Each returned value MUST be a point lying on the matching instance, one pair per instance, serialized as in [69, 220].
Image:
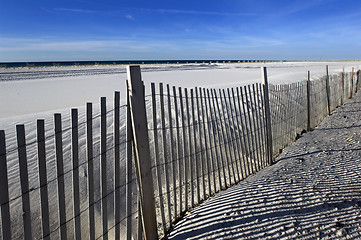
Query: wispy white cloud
[130, 17]
[74, 10]
[177, 11]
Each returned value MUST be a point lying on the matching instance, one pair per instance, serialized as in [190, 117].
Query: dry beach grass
[312, 191]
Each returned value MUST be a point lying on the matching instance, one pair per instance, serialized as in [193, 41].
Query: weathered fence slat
[267, 116]
[245, 137]
[166, 160]
[157, 162]
[116, 135]
[201, 151]
[308, 92]
[232, 114]
[43, 179]
[206, 160]
[212, 147]
[179, 153]
[185, 155]
[261, 123]
[4, 190]
[351, 83]
[128, 180]
[257, 125]
[328, 91]
[90, 162]
[224, 144]
[230, 139]
[248, 125]
[173, 154]
[190, 145]
[252, 93]
[196, 163]
[103, 165]
[239, 137]
[23, 166]
[60, 175]
[142, 151]
[219, 140]
[75, 156]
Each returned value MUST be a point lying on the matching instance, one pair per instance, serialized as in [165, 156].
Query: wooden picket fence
[131, 171]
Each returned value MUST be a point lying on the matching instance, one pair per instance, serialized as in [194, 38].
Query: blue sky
[144, 30]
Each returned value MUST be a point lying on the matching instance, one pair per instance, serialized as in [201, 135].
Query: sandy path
[313, 191]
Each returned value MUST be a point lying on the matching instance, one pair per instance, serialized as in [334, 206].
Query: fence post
[142, 151]
[343, 85]
[24, 180]
[4, 190]
[351, 82]
[328, 91]
[267, 115]
[357, 80]
[308, 101]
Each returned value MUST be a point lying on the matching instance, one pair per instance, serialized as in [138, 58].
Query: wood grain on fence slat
[328, 91]
[43, 179]
[252, 93]
[156, 157]
[212, 147]
[128, 173]
[239, 137]
[179, 151]
[201, 150]
[23, 167]
[217, 143]
[267, 115]
[351, 82]
[185, 155]
[206, 158]
[217, 122]
[173, 155]
[90, 161]
[117, 171]
[142, 151]
[75, 157]
[195, 163]
[103, 165]
[235, 133]
[257, 124]
[60, 175]
[245, 140]
[253, 157]
[230, 138]
[190, 153]
[165, 151]
[4, 190]
[263, 123]
[308, 92]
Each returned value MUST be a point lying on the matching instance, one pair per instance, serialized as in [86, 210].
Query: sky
[76, 30]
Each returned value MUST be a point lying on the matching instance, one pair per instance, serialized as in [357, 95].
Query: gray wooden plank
[75, 157]
[90, 165]
[157, 158]
[103, 165]
[4, 190]
[43, 179]
[142, 150]
[165, 151]
[60, 175]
